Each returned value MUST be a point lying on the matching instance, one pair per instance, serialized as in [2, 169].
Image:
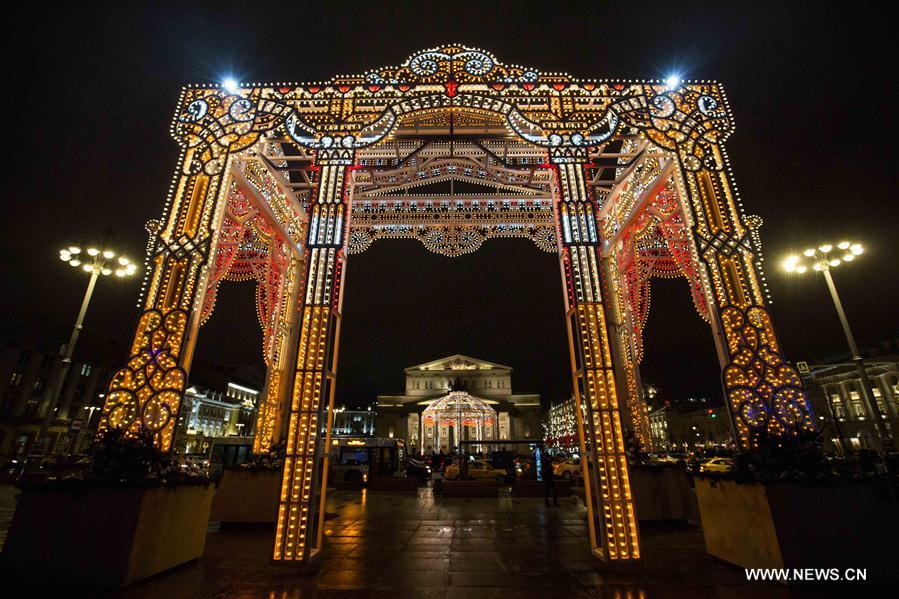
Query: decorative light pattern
[357, 124]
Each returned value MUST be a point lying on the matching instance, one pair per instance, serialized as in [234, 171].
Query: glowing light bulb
[123, 260]
[109, 255]
[231, 86]
[825, 248]
[672, 81]
[809, 252]
[834, 262]
[74, 249]
[75, 262]
[106, 271]
[817, 267]
[848, 258]
[856, 249]
[92, 251]
[120, 273]
[87, 268]
[843, 245]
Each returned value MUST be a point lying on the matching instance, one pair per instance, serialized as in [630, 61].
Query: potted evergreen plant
[133, 513]
[784, 507]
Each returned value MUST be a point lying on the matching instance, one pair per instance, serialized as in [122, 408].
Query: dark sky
[89, 94]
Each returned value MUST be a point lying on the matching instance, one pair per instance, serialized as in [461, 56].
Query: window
[16, 379]
[85, 370]
[40, 384]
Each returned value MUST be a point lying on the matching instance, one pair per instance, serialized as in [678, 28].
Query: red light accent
[374, 88]
[528, 86]
[283, 90]
[314, 89]
[618, 86]
[498, 86]
[451, 88]
[589, 86]
[343, 88]
[405, 88]
[558, 86]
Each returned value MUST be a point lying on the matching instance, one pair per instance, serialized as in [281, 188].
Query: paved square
[382, 544]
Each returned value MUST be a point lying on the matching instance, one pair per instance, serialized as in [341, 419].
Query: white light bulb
[817, 266]
[834, 262]
[106, 271]
[93, 251]
[672, 81]
[108, 254]
[231, 86]
[856, 249]
[74, 249]
[843, 245]
[75, 262]
[123, 260]
[87, 268]
[848, 258]
[825, 248]
[809, 252]
[120, 273]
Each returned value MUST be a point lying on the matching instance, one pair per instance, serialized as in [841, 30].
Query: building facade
[846, 420]
[26, 373]
[560, 426]
[674, 428]
[353, 422]
[208, 414]
[517, 416]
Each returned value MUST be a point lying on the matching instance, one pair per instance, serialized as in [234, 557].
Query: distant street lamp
[822, 259]
[97, 263]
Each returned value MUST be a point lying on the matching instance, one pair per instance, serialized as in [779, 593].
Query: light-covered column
[611, 518]
[298, 535]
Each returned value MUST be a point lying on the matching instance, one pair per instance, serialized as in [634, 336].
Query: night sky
[89, 95]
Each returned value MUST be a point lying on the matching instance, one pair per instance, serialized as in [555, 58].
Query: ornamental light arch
[624, 180]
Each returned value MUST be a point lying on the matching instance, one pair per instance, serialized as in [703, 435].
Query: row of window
[433, 384]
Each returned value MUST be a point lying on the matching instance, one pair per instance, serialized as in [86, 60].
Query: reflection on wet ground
[417, 546]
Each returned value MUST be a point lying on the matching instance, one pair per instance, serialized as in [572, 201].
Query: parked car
[417, 469]
[478, 470]
[567, 469]
[717, 465]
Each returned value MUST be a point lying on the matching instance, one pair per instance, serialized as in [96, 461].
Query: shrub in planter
[783, 508]
[134, 514]
[249, 494]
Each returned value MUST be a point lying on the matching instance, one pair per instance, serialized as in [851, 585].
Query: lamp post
[96, 263]
[822, 259]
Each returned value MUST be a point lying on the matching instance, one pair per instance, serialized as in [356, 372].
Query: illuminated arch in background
[609, 156]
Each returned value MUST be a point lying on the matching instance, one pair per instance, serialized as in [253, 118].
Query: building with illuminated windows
[209, 414]
[353, 422]
[835, 389]
[560, 426]
[457, 389]
[26, 371]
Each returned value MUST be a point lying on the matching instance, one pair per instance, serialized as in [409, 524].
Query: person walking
[549, 481]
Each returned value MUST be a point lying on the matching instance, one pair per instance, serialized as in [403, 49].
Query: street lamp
[822, 259]
[97, 263]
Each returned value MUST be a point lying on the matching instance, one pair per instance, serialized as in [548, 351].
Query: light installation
[471, 418]
[624, 180]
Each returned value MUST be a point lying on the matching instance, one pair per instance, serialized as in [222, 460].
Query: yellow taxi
[567, 469]
[478, 469]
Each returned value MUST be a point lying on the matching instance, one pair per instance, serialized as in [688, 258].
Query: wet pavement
[381, 544]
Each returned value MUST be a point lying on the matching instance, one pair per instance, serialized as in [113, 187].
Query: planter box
[469, 488]
[662, 494]
[847, 524]
[104, 537]
[536, 488]
[403, 484]
[247, 496]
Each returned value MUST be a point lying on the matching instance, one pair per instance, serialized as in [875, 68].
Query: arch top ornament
[552, 110]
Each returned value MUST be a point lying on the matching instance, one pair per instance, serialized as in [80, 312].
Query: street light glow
[820, 260]
[672, 81]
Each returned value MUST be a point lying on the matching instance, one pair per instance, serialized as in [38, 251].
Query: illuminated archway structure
[623, 179]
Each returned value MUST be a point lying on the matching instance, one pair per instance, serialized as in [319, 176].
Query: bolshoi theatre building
[457, 394]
